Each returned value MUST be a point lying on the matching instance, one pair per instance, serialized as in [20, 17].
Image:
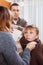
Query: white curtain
[33, 13]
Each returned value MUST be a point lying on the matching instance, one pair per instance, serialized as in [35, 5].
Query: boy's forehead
[31, 29]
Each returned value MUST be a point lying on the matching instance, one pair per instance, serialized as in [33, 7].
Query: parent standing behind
[17, 21]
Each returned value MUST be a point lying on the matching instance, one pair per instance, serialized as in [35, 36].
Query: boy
[31, 34]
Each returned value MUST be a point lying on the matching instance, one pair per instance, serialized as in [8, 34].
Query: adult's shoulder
[5, 33]
[6, 39]
[23, 21]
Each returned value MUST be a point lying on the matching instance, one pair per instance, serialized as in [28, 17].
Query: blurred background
[31, 11]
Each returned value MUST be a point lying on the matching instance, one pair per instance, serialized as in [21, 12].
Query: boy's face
[30, 35]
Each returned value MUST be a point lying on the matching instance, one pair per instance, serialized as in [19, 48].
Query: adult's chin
[15, 18]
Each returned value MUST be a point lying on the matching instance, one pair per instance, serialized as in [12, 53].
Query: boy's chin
[29, 40]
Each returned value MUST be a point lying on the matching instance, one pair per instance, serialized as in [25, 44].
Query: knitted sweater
[8, 51]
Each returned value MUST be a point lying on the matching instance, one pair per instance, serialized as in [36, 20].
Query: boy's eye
[31, 32]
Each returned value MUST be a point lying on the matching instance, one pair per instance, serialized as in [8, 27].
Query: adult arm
[11, 55]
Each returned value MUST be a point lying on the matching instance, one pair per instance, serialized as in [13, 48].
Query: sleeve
[11, 55]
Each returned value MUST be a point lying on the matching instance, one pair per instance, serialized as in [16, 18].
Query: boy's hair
[14, 4]
[30, 27]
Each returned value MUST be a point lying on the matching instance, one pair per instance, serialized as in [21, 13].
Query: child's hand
[31, 45]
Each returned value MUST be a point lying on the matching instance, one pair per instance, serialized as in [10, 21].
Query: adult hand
[31, 45]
